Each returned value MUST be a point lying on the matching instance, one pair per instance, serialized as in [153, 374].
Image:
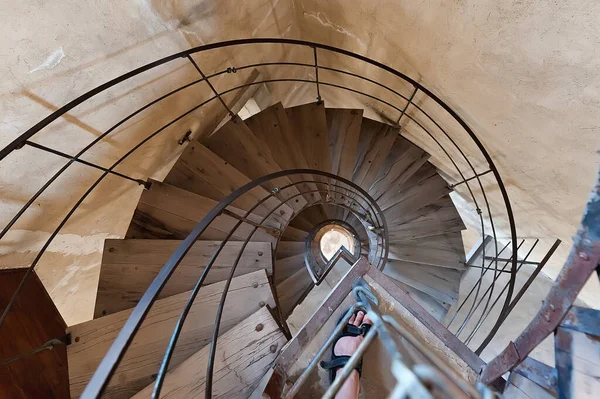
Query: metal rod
[47, 346]
[496, 277]
[317, 76]
[520, 294]
[189, 57]
[81, 161]
[484, 315]
[470, 178]
[527, 262]
[486, 268]
[470, 292]
[412, 96]
[270, 230]
[473, 305]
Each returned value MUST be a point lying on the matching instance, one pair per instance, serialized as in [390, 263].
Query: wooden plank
[437, 336]
[244, 354]
[403, 161]
[32, 321]
[343, 127]
[168, 212]
[203, 172]
[438, 282]
[434, 221]
[92, 339]
[293, 234]
[519, 387]
[308, 123]
[429, 303]
[415, 197]
[286, 267]
[272, 128]
[444, 250]
[374, 145]
[577, 363]
[286, 249]
[236, 144]
[122, 259]
[291, 291]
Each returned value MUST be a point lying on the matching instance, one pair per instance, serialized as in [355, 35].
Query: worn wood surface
[343, 126]
[287, 267]
[291, 291]
[309, 124]
[168, 212]
[577, 363]
[32, 321]
[438, 282]
[429, 303]
[440, 340]
[286, 249]
[92, 339]
[444, 250]
[237, 144]
[437, 218]
[374, 145]
[402, 162]
[201, 171]
[272, 128]
[244, 354]
[413, 198]
[293, 234]
[129, 266]
[519, 387]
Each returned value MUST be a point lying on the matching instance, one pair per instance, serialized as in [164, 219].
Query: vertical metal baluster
[319, 100]
[210, 85]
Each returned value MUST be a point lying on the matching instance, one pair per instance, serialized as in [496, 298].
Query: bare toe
[359, 319]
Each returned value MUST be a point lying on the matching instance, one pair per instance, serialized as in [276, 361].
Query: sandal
[339, 361]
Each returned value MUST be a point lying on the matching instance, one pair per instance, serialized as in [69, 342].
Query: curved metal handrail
[25, 137]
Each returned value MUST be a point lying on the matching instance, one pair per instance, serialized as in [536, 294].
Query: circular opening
[334, 238]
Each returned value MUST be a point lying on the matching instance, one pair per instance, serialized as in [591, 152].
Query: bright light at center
[333, 240]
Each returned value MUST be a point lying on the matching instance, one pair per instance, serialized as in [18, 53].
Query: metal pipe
[412, 96]
[317, 75]
[189, 57]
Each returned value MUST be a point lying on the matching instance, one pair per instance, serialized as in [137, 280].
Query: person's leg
[347, 346]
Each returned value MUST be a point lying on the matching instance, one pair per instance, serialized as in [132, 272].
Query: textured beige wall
[524, 76]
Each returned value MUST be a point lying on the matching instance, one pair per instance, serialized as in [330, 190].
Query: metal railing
[405, 104]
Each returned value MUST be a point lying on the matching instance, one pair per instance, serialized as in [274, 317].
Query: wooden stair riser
[143, 259]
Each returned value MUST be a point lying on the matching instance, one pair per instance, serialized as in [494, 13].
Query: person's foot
[347, 346]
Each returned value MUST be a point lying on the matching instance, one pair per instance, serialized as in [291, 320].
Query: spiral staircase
[221, 287]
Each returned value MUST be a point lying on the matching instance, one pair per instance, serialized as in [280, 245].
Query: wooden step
[440, 283]
[203, 172]
[237, 144]
[415, 197]
[272, 128]
[444, 250]
[168, 212]
[244, 354]
[288, 266]
[292, 290]
[286, 249]
[92, 339]
[293, 234]
[308, 123]
[129, 266]
[436, 308]
[389, 198]
[374, 145]
[402, 162]
[343, 127]
[437, 218]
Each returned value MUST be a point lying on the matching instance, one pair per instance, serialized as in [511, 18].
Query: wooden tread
[244, 354]
[92, 339]
[288, 266]
[143, 259]
[203, 172]
[168, 212]
[374, 144]
[292, 290]
[440, 283]
[343, 127]
[444, 250]
[236, 143]
[436, 308]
